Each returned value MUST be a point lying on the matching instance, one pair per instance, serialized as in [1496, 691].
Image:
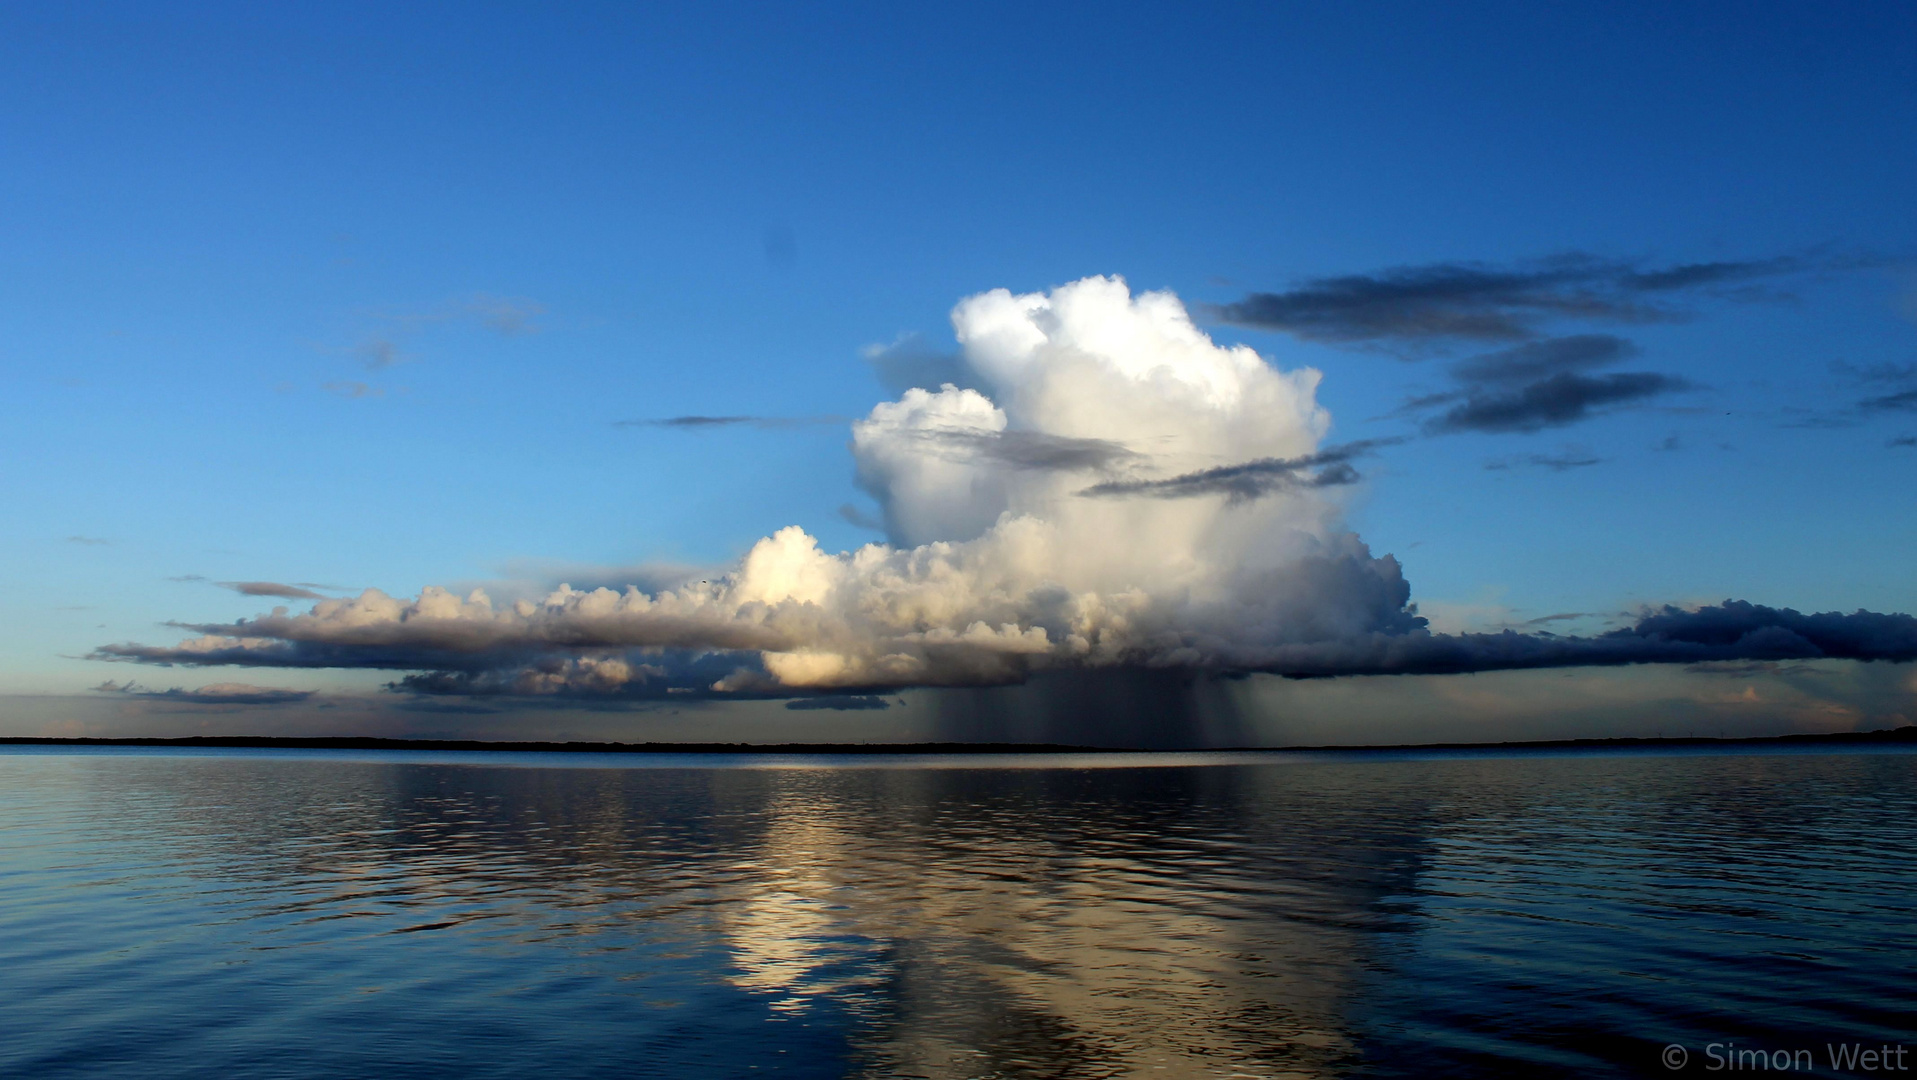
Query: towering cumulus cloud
[1111, 489]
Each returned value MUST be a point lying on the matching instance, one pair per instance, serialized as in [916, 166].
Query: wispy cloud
[213, 694]
[1534, 360]
[1420, 306]
[708, 423]
[87, 541]
[271, 588]
[352, 389]
[378, 353]
[384, 346]
[1563, 462]
[1330, 467]
[1904, 401]
[1558, 401]
[507, 315]
[843, 702]
[1538, 385]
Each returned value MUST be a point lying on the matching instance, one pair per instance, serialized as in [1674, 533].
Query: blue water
[312, 914]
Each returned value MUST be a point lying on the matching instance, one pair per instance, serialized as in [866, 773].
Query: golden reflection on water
[997, 948]
[965, 922]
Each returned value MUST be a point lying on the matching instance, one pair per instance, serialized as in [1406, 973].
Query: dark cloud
[1731, 632]
[1538, 385]
[347, 388]
[269, 588]
[1537, 360]
[841, 702]
[1470, 301]
[704, 423]
[1554, 402]
[1563, 616]
[1905, 401]
[1744, 669]
[1251, 479]
[1902, 440]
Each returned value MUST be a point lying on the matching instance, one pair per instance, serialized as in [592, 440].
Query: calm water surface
[303, 914]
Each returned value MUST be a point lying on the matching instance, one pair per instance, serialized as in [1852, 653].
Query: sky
[1267, 323]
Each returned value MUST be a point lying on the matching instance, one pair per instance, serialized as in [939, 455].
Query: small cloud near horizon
[211, 694]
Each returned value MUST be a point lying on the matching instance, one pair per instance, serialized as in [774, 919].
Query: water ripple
[293, 915]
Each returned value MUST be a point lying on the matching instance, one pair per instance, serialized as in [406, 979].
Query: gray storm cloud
[1110, 489]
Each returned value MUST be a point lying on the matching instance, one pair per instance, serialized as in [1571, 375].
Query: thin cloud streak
[1558, 401]
[1417, 306]
[271, 588]
[704, 423]
[1251, 479]
[214, 694]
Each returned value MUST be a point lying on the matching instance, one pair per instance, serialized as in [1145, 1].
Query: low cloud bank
[1110, 490]
[214, 694]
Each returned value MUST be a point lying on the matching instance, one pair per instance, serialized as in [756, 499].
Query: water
[296, 914]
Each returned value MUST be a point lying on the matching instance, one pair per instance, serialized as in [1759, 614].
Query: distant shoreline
[1902, 735]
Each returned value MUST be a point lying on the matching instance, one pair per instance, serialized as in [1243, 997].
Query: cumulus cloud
[1478, 302]
[1116, 492]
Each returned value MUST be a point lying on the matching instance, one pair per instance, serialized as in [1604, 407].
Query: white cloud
[1031, 530]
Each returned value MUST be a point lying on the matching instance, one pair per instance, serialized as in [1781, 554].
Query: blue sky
[353, 296]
